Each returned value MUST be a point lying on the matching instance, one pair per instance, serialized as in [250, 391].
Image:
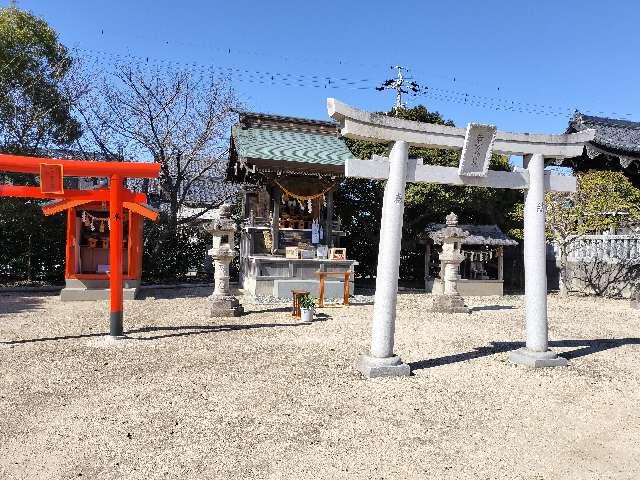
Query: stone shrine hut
[288, 169]
[481, 271]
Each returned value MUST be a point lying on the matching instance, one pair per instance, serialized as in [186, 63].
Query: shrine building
[288, 169]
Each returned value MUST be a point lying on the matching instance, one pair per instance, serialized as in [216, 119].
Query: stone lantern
[223, 229]
[451, 257]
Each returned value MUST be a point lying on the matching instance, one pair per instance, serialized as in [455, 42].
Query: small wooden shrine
[289, 169]
[87, 251]
[482, 270]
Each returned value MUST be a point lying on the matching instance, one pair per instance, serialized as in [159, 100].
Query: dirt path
[265, 397]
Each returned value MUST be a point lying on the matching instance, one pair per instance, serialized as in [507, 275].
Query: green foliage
[307, 301]
[604, 200]
[35, 101]
[360, 203]
[31, 245]
[35, 105]
[168, 256]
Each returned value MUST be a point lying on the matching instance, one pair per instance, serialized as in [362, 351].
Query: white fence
[608, 248]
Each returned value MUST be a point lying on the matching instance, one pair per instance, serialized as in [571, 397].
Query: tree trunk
[563, 280]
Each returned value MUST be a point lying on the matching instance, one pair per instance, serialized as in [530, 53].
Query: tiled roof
[620, 137]
[290, 145]
[478, 234]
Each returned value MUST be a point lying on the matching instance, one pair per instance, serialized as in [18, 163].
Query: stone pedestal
[225, 306]
[530, 358]
[449, 304]
[372, 367]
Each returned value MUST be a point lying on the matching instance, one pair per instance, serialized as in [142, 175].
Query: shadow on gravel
[586, 347]
[13, 303]
[163, 332]
[187, 330]
[269, 310]
[492, 307]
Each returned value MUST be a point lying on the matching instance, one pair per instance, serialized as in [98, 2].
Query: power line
[102, 59]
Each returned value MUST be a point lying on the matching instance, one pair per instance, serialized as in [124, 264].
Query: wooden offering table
[346, 274]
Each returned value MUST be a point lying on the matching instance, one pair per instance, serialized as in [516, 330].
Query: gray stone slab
[332, 288]
[373, 367]
[529, 358]
[92, 294]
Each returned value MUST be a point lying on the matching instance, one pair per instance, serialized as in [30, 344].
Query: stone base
[529, 358]
[106, 341]
[372, 367]
[635, 300]
[225, 306]
[449, 304]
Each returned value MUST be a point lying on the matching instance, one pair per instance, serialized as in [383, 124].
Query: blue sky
[549, 56]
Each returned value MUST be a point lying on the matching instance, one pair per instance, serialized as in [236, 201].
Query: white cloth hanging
[315, 232]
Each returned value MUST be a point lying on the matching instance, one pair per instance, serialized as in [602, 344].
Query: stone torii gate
[477, 143]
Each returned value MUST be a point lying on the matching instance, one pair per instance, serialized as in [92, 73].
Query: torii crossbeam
[52, 171]
[477, 143]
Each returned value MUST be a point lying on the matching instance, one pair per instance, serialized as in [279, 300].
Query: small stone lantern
[451, 257]
[223, 229]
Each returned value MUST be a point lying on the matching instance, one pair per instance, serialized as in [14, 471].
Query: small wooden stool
[345, 299]
[297, 294]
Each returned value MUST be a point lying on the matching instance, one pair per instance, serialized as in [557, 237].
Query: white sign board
[476, 151]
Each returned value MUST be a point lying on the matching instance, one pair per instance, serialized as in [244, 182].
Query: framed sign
[292, 252]
[338, 254]
[476, 151]
[51, 176]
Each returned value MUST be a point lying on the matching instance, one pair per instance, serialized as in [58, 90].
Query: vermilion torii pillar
[52, 171]
[477, 143]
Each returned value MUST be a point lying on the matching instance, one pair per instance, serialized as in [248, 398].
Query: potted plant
[307, 308]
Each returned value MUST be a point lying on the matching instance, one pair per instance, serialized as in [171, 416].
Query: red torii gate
[52, 172]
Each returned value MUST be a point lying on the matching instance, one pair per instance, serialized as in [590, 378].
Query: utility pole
[398, 85]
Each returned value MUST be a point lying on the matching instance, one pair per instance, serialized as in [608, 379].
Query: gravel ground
[265, 397]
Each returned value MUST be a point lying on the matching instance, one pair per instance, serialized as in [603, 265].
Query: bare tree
[176, 119]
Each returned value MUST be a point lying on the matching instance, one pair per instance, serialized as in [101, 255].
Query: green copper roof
[290, 145]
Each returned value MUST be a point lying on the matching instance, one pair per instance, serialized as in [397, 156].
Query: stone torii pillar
[536, 353]
[477, 143]
[381, 361]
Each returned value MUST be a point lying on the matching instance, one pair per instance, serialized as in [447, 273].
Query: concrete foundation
[530, 358]
[76, 290]
[372, 367]
[468, 288]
